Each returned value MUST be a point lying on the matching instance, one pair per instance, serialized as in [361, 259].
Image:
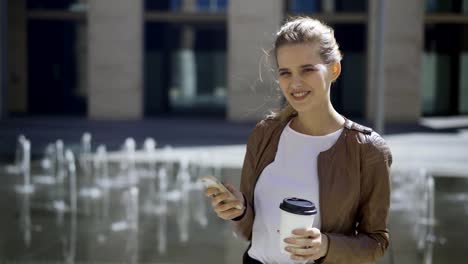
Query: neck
[318, 122]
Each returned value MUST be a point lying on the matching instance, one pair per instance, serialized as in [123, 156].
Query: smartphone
[211, 181]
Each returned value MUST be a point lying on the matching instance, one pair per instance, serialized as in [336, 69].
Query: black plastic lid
[298, 206]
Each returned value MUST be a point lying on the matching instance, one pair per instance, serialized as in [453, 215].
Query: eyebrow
[302, 66]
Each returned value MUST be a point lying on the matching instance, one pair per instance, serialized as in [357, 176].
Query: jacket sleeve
[243, 226]
[371, 238]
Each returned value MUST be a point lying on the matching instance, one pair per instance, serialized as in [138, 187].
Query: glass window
[186, 72]
[57, 64]
[211, 5]
[56, 67]
[348, 93]
[303, 6]
[178, 5]
[163, 5]
[326, 6]
[444, 84]
[444, 6]
[64, 5]
[347, 6]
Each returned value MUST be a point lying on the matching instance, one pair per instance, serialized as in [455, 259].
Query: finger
[230, 187]
[303, 242]
[226, 206]
[301, 251]
[219, 198]
[310, 232]
[229, 214]
[307, 257]
[233, 213]
[210, 191]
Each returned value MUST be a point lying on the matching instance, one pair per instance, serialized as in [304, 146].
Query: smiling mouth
[300, 95]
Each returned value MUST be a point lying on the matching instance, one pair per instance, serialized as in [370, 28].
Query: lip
[300, 98]
[299, 91]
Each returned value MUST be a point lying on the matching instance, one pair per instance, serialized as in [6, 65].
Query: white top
[292, 174]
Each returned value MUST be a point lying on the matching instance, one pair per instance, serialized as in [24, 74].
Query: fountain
[159, 186]
[26, 187]
[129, 149]
[89, 192]
[183, 185]
[59, 161]
[69, 239]
[101, 174]
[48, 165]
[58, 202]
[130, 223]
[412, 209]
[86, 163]
[25, 218]
[17, 166]
[132, 204]
[149, 148]
[85, 152]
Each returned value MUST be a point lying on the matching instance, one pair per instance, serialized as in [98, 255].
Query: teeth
[299, 94]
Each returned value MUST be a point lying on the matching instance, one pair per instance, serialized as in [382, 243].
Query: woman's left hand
[308, 244]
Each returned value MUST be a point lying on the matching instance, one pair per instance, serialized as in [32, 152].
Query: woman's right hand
[224, 207]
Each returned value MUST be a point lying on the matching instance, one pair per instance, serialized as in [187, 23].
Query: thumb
[234, 190]
[230, 187]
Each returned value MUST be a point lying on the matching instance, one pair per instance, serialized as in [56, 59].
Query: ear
[335, 71]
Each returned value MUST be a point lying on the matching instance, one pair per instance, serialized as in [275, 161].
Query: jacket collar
[348, 125]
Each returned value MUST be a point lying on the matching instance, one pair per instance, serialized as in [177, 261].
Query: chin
[305, 108]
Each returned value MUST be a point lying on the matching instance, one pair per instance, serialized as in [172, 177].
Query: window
[185, 58]
[348, 93]
[445, 58]
[63, 5]
[444, 6]
[190, 6]
[325, 6]
[57, 52]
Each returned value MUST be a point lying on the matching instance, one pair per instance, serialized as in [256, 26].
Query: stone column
[17, 74]
[251, 28]
[403, 45]
[115, 62]
[463, 95]
[81, 50]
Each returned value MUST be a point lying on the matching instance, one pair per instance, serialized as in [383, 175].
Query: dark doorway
[52, 69]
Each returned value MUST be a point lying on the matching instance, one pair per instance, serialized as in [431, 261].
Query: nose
[296, 82]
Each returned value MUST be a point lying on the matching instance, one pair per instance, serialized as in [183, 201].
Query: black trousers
[246, 259]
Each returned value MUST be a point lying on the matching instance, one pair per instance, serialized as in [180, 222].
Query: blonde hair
[300, 30]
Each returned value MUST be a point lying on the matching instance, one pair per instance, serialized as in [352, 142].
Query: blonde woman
[309, 150]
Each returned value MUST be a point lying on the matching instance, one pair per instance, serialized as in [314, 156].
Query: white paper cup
[295, 213]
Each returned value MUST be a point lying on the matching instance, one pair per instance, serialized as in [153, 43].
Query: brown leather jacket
[354, 189]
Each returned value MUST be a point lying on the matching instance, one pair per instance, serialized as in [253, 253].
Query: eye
[284, 73]
[310, 69]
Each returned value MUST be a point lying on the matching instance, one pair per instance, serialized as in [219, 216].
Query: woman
[309, 150]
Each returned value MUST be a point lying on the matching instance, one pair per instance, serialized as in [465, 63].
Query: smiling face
[303, 77]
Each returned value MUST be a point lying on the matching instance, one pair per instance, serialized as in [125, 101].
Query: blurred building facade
[119, 59]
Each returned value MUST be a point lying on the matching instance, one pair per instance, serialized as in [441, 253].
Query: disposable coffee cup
[295, 213]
